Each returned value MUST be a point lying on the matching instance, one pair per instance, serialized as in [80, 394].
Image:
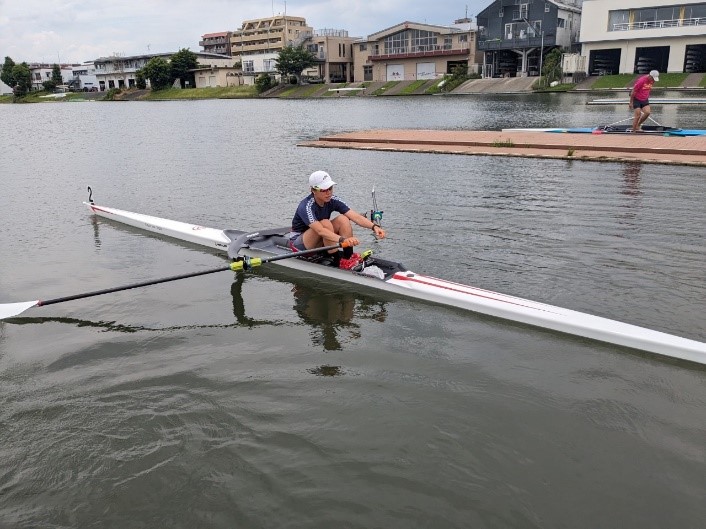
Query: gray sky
[82, 30]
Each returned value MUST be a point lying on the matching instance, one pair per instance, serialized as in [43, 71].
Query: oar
[9, 310]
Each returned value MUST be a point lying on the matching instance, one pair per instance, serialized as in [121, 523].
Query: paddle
[9, 310]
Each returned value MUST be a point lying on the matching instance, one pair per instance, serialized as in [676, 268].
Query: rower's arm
[365, 222]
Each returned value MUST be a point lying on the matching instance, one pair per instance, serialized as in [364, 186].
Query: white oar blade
[9, 310]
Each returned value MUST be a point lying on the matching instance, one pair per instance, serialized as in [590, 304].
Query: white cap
[655, 75]
[321, 180]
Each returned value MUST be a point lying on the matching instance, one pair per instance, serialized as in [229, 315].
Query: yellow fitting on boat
[236, 266]
[255, 261]
[366, 254]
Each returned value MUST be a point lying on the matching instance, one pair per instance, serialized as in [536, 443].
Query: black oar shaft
[234, 266]
[133, 285]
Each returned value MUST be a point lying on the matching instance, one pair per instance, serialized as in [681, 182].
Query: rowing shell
[393, 277]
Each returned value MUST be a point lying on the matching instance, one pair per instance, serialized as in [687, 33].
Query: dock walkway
[644, 147]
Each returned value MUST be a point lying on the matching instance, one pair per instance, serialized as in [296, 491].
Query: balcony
[656, 24]
[407, 52]
[515, 43]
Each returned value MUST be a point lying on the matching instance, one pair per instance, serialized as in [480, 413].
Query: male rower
[640, 99]
[312, 226]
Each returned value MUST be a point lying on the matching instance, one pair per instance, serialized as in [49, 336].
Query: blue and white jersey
[309, 212]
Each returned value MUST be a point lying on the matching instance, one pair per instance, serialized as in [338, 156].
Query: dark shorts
[636, 103]
[296, 242]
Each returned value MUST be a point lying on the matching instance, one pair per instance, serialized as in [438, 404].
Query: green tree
[551, 68]
[293, 60]
[180, 64]
[6, 74]
[49, 85]
[23, 79]
[157, 71]
[140, 80]
[56, 75]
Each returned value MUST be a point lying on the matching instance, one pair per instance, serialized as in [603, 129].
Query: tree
[293, 60]
[157, 71]
[140, 80]
[180, 64]
[23, 79]
[551, 69]
[56, 75]
[6, 74]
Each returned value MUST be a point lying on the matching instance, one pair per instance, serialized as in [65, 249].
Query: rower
[313, 227]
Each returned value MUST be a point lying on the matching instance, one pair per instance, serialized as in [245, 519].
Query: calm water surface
[270, 400]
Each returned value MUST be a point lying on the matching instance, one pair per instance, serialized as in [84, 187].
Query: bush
[263, 83]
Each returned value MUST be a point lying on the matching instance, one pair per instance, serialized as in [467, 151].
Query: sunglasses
[323, 190]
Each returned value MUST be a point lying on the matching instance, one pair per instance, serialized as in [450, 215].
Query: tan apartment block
[216, 42]
[258, 42]
[410, 50]
[333, 49]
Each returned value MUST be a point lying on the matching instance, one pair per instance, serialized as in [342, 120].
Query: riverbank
[693, 83]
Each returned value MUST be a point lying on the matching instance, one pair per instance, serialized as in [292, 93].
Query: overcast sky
[82, 30]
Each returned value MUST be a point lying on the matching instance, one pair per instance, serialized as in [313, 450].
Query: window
[463, 38]
[560, 23]
[367, 73]
[616, 19]
[524, 10]
[248, 67]
[364, 47]
[397, 43]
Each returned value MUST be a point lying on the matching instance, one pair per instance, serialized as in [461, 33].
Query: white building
[42, 72]
[120, 71]
[636, 36]
[84, 77]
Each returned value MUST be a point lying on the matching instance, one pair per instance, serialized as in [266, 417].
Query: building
[220, 76]
[333, 49]
[636, 36]
[515, 35]
[411, 50]
[120, 71]
[216, 43]
[41, 72]
[84, 77]
[258, 42]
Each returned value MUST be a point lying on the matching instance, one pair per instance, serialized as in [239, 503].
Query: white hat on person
[655, 75]
[321, 180]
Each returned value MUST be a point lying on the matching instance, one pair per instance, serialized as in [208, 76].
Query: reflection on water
[332, 315]
[631, 179]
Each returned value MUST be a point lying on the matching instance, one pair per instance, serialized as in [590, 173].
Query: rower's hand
[379, 232]
[349, 242]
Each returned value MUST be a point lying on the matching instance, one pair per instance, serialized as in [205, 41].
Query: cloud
[80, 30]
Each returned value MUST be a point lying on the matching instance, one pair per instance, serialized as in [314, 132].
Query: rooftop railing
[419, 51]
[652, 24]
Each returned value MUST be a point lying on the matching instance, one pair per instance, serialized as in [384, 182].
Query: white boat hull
[410, 284]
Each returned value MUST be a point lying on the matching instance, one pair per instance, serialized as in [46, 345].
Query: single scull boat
[393, 277]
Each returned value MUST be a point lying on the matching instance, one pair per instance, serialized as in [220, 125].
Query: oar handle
[246, 263]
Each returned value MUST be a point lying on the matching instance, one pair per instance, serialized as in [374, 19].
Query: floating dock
[636, 147]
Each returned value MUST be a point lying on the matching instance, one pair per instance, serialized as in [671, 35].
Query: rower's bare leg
[312, 240]
[636, 119]
[645, 114]
[342, 226]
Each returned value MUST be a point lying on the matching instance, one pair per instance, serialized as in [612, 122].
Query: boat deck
[640, 147]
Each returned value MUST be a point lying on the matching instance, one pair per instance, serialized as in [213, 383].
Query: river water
[271, 400]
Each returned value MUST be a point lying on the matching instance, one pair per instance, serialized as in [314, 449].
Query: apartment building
[120, 71]
[333, 49]
[218, 43]
[636, 36]
[515, 35]
[258, 42]
[411, 50]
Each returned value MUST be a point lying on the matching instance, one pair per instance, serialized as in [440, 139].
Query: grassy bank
[215, 92]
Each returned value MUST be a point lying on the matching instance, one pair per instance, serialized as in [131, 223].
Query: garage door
[395, 72]
[426, 70]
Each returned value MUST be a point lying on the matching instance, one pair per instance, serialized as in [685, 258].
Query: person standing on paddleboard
[312, 226]
[640, 99]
